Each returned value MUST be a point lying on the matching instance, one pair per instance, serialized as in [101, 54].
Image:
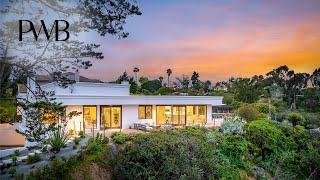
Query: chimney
[77, 76]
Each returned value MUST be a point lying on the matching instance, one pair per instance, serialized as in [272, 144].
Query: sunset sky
[217, 38]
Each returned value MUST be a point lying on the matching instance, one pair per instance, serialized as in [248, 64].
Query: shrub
[146, 92]
[262, 116]
[45, 149]
[119, 138]
[265, 138]
[248, 113]
[58, 169]
[311, 121]
[12, 171]
[17, 152]
[295, 118]
[14, 160]
[151, 86]
[215, 138]
[71, 132]
[96, 145]
[76, 140]
[81, 134]
[33, 158]
[164, 91]
[19, 176]
[264, 108]
[235, 146]
[74, 146]
[232, 127]
[172, 154]
[58, 139]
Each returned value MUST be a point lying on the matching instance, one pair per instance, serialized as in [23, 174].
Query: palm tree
[161, 79]
[169, 72]
[135, 70]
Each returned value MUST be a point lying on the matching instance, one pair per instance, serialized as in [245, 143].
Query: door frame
[110, 106]
[96, 116]
[185, 114]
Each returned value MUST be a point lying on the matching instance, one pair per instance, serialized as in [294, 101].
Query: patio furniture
[142, 127]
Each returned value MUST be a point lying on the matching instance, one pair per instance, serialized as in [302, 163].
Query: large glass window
[196, 114]
[163, 115]
[191, 115]
[202, 114]
[49, 117]
[145, 112]
[90, 116]
[179, 115]
[110, 117]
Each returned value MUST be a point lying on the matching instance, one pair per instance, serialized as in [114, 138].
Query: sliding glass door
[179, 115]
[196, 114]
[110, 117]
[163, 115]
[90, 117]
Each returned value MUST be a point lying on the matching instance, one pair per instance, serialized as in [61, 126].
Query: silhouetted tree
[183, 83]
[195, 80]
[169, 72]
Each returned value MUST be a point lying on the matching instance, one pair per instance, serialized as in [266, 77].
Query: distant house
[108, 105]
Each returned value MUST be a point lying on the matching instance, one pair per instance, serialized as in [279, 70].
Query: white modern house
[109, 105]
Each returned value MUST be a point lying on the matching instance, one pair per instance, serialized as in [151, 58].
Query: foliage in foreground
[58, 139]
[267, 149]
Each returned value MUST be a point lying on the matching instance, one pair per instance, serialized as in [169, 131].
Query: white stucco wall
[129, 115]
[209, 114]
[84, 88]
[74, 123]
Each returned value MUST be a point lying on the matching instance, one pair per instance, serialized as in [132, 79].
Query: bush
[119, 138]
[248, 113]
[145, 92]
[74, 146]
[81, 134]
[151, 86]
[264, 108]
[17, 152]
[76, 140]
[71, 132]
[173, 154]
[235, 147]
[12, 171]
[265, 137]
[58, 169]
[262, 116]
[295, 118]
[33, 158]
[311, 121]
[164, 91]
[58, 139]
[96, 145]
[19, 176]
[232, 127]
[14, 160]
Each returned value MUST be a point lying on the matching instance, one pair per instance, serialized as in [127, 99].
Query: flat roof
[136, 100]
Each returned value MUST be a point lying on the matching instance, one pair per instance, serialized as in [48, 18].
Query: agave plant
[58, 139]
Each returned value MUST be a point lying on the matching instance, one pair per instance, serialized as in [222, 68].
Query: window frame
[145, 111]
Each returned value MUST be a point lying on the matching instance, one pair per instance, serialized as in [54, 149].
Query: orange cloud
[240, 49]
